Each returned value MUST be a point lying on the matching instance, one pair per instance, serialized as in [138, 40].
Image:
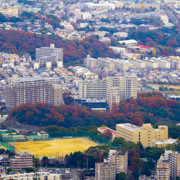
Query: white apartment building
[31, 90]
[113, 89]
[164, 18]
[152, 64]
[101, 4]
[50, 54]
[92, 89]
[108, 63]
[139, 64]
[175, 62]
[121, 34]
[31, 176]
[90, 62]
[113, 95]
[164, 64]
[86, 15]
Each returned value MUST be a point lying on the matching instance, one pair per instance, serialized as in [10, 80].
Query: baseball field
[54, 148]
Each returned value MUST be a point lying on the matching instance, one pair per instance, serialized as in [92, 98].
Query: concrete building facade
[120, 159]
[24, 160]
[163, 170]
[32, 176]
[113, 89]
[31, 90]
[105, 171]
[174, 159]
[146, 134]
[50, 54]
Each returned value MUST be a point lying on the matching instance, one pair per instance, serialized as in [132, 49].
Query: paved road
[75, 174]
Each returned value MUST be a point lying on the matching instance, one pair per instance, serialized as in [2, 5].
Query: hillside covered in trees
[164, 40]
[74, 51]
[149, 107]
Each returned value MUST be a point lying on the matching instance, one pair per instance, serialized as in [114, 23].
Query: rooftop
[167, 141]
[130, 126]
[108, 129]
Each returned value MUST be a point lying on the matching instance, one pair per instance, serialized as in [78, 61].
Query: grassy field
[54, 148]
[2, 147]
[174, 87]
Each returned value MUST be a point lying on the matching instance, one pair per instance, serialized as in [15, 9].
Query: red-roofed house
[149, 48]
[106, 129]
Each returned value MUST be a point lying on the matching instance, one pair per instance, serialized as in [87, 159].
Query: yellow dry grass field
[54, 148]
[174, 87]
[2, 147]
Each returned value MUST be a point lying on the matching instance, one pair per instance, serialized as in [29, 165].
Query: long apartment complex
[171, 62]
[50, 54]
[24, 160]
[108, 63]
[113, 89]
[32, 176]
[168, 166]
[146, 134]
[31, 90]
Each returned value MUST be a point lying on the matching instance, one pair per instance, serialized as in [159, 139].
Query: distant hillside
[74, 51]
[149, 107]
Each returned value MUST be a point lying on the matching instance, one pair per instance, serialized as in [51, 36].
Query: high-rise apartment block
[24, 160]
[114, 89]
[92, 89]
[168, 166]
[31, 90]
[105, 171]
[45, 55]
[120, 159]
[146, 134]
[174, 159]
[163, 170]
[116, 162]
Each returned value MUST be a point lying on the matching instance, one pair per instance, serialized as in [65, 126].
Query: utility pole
[36, 175]
[87, 163]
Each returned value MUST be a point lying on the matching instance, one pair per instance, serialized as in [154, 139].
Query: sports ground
[54, 148]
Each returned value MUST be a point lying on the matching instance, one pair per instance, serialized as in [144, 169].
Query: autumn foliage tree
[149, 107]
[74, 51]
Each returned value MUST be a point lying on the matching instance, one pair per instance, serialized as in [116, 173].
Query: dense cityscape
[90, 90]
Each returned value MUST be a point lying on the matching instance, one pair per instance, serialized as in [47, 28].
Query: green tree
[94, 131]
[2, 150]
[153, 153]
[121, 176]
[9, 170]
[36, 163]
[3, 18]
[45, 161]
[119, 141]
[1, 137]
[136, 173]
[28, 170]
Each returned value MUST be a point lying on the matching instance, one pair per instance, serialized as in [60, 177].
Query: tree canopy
[149, 107]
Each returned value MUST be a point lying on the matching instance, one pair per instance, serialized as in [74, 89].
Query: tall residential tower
[31, 90]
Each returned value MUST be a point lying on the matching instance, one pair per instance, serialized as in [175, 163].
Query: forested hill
[149, 107]
[74, 51]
